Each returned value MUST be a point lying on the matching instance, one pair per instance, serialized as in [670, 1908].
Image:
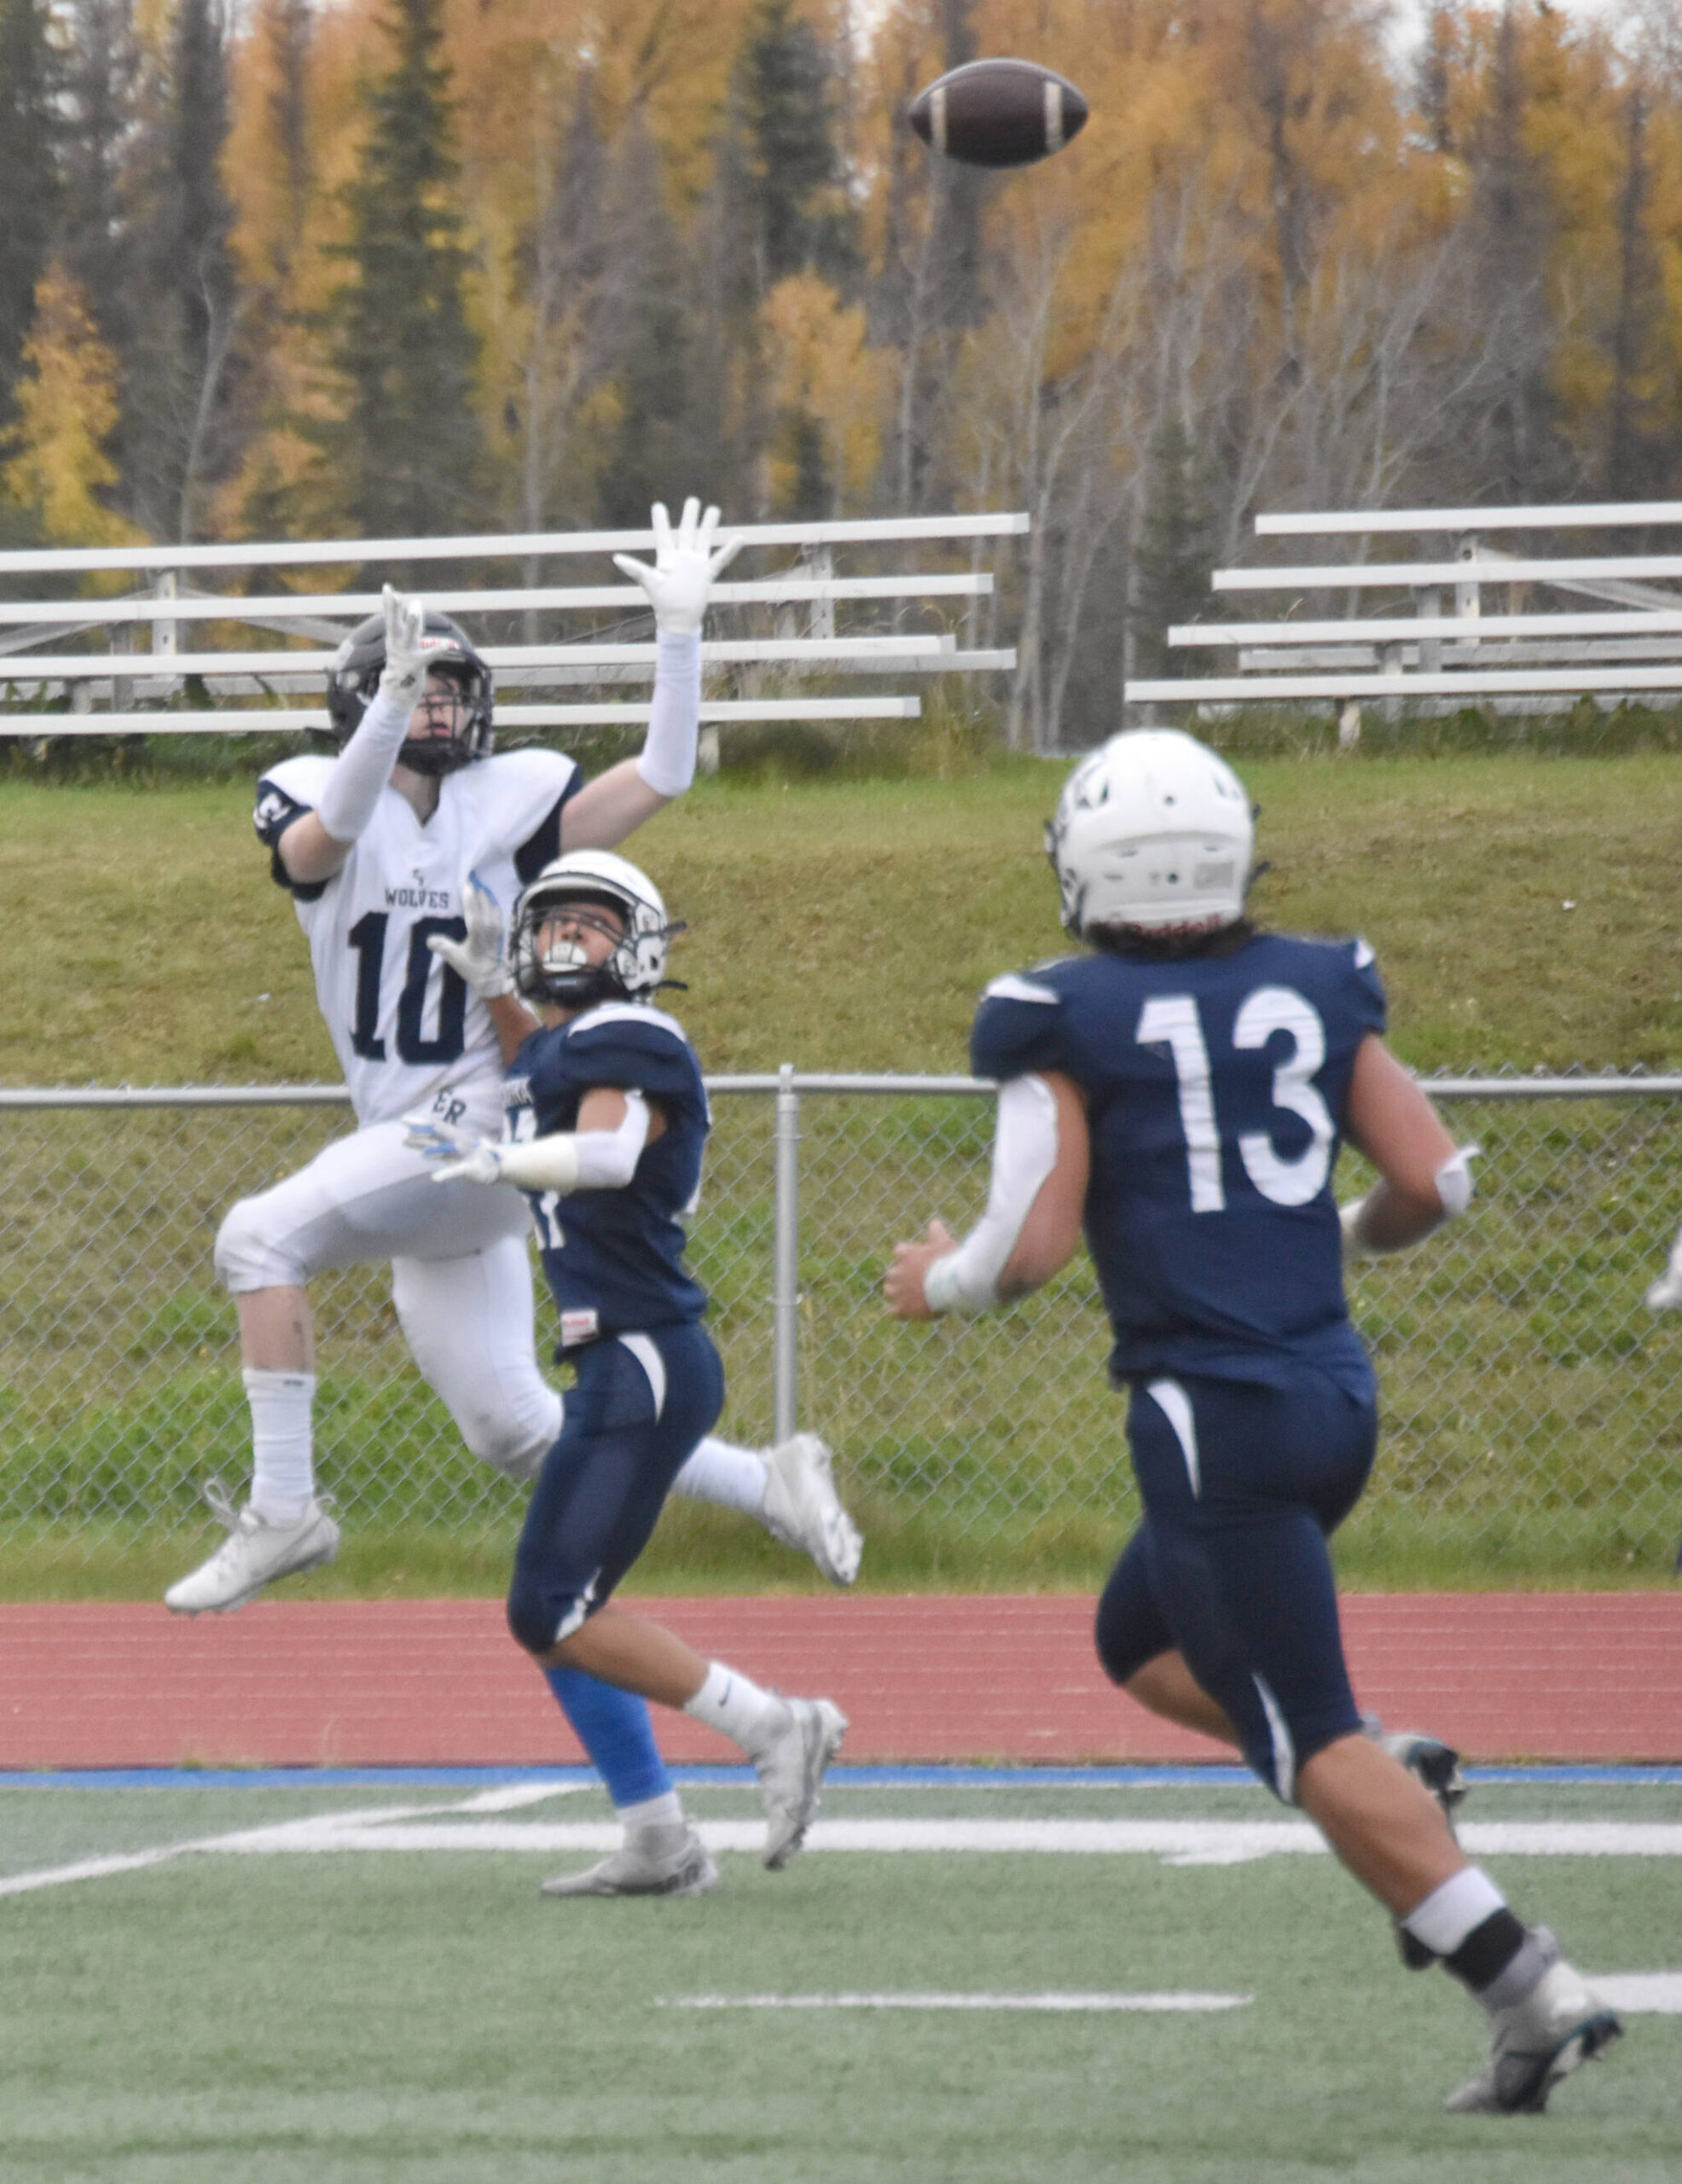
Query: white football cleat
[1560, 2022]
[803, 1511]
[650, 1862]
[254, 1554]
[791, 1770]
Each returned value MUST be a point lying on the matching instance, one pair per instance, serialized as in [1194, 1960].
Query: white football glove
[686, 566]
[480, 958]
[456, 1155]
[404, 677]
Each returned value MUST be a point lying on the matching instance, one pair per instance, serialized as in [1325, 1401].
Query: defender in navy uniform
[608, 1120]
[1181, 1089]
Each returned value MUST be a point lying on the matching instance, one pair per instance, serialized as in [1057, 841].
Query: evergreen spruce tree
[28, 177]
[1174, 550]
[175, 330]
[640, 345]
[788, 107]
[289, 28]
[1521, 458]
[101, 83]
[407, 454]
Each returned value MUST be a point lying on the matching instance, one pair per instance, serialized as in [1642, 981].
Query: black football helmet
[355, 676]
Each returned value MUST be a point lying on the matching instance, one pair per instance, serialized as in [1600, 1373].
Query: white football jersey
[403, 1024]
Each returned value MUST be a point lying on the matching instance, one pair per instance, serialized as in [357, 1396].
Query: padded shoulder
[301, 779]
[520, 795]
[285, 793]
[1020, 1024]
[626, 1043]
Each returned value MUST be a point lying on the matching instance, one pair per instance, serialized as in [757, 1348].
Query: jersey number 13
[1173, 1020]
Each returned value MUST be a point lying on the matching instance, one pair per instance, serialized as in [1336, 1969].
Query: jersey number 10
[1173, 1020]
[367, 936]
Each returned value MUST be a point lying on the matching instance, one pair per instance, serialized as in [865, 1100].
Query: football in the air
[998, 113]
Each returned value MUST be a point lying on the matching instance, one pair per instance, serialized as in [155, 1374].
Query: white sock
[718, 1470]
[1454, 1910]
[737, 1708]
[282, 1466]
[664, 1811]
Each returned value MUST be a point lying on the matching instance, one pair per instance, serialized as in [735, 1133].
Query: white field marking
[281, 1835]
[1643, 1994]
[1073, 2001]
[1178, 1842]
[455, 1826]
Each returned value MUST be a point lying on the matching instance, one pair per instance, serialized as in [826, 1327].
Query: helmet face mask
[561, 975]
[1153, 834]
[354, 678]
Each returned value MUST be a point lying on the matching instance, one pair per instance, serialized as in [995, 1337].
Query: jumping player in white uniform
[1180, 1087]
[375, 846]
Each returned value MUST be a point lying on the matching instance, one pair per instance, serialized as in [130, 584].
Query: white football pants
[460, 1281]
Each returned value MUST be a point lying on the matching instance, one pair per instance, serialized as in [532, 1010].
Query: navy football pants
[1242, 1483]
[642, 1404]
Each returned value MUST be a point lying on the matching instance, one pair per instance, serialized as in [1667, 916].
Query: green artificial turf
[414, 2016]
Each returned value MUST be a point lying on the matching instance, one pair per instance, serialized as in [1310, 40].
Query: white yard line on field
[476, 1824]
[281, 1835]
[1047, 2001]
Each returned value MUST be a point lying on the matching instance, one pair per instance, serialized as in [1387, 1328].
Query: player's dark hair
[1171, 946]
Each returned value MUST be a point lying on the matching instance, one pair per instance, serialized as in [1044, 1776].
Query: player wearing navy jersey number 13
[395, 853]
[608, 1122]
[1180, 1089]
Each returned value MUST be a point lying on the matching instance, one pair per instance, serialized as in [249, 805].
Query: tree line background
[377, 267]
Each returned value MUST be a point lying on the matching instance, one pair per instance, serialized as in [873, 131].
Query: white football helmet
[637, 966]
[1153, 831]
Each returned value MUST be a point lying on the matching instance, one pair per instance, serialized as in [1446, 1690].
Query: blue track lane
[842, 1778]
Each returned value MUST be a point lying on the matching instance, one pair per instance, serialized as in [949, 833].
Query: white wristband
[1453, 1181]
[362, 769]
[668, 760]
[573, 1160]
[950, 1285]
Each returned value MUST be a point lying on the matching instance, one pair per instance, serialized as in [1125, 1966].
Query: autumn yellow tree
[57, 468]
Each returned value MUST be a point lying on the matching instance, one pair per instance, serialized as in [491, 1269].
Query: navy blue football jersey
[1215, 1092]
[614, 1258]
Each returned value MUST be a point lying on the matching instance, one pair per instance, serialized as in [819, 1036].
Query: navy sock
[1487, 1951]
[613, 1726]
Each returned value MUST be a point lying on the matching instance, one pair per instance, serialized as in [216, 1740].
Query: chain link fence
[1531, 1402]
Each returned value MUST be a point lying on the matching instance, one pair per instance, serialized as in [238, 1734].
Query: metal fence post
[786, 1261]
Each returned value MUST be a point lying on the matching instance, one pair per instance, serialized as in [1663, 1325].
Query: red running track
[1004, 1677]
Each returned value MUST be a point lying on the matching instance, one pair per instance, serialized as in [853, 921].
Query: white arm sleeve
[579, 1160]
[668, 760]
[362, 769]
[1024, 1152]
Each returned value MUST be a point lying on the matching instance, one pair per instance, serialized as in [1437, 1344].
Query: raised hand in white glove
[455, 1155]
[686, 565]
[480, 958]
[404, 675]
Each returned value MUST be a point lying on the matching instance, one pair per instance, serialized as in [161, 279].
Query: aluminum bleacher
[1474, 634]
[123, 664]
